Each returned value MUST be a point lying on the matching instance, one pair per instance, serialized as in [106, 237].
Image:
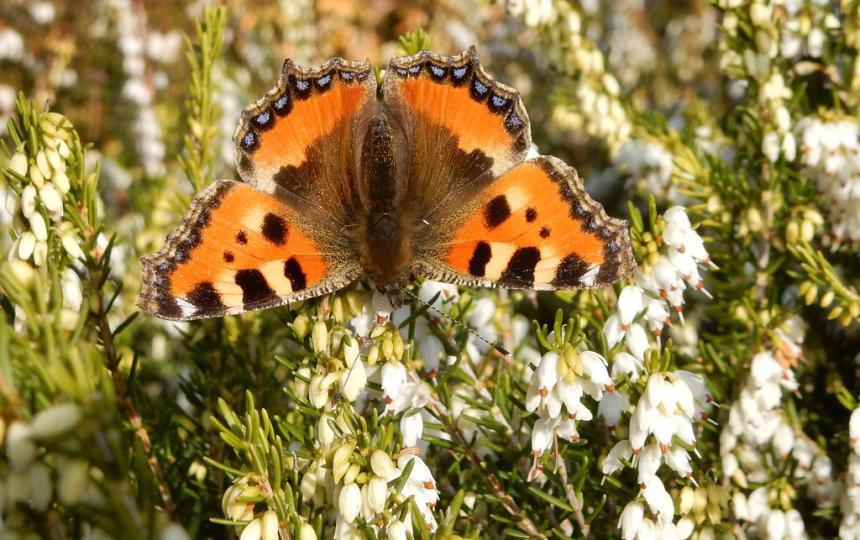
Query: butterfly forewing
[302, 134]
[462, 126]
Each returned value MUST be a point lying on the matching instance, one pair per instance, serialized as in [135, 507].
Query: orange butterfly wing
[461, 127]
[278, 237]
[302, 134]
[533, 227]
[238, 249]
[487, 217]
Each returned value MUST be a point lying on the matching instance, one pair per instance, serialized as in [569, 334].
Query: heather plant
[713, 394]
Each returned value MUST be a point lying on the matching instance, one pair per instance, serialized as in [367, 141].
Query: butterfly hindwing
[532, 227]
[238, 249]
[302, 134]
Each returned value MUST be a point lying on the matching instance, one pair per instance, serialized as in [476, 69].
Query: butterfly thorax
[385, 233]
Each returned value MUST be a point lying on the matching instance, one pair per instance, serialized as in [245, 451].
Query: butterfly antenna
[501, 350]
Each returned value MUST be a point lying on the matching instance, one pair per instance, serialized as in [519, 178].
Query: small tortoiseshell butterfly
[426, 177]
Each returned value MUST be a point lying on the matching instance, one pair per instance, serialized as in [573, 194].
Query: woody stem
[525, 524]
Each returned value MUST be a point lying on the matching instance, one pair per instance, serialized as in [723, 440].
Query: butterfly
[425, 175]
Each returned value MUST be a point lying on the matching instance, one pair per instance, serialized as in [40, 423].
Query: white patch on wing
[273, 271]
[187, 308]
[587, 278]
[253, 220]
[502, 253]
[517, 197]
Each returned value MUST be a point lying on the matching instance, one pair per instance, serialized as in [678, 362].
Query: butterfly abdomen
[385, 247]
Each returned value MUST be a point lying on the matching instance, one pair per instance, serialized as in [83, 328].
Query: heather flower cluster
[829, 153]
[38, 193]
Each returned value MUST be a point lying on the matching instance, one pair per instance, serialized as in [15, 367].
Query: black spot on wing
[471, 165]
[242, 238]
[205, 298]
[610, 272]
[520, 271]
[169, 307]
[275, 229]
[480, 257]
[255, 288]
[531, 214]
[293, 271]
[544, 232]
[570, 271]
[497, 211]
[229, 257]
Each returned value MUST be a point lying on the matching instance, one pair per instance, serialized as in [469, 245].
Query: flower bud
[340, 461]
[40, 253]
[71, 245]
[354, 303]
[52, 200]
[54, 160]
[19, 448]
[388, 347]
[28, 201]
[61, 181]
[269, 523]
[63, 149]
[381, 464]
[318, 391]
[252, 531]
[353, 380]
[55, 421]
[36, 176]
[807, 230]
[349, 502]
[308, 485]
[26, 245]
[396, 530]
[43, 165]
[685, 504]
[325, 433]
[38, 226]
[337, 309]
[351, 473]
[301, 325]
[307, 532]
[792, 232]
[377, 493]
[18, 164]
[23, 272]
[71, 286]
[319, 337]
